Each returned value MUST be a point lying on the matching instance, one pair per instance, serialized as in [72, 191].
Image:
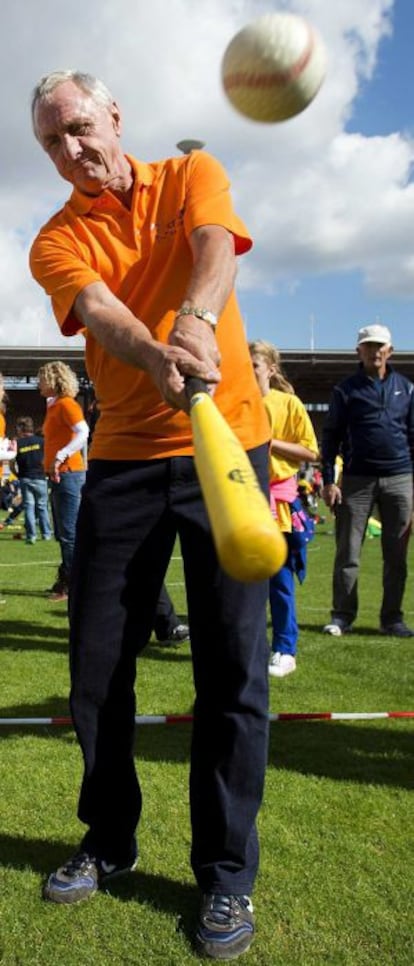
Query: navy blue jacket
[370, 423]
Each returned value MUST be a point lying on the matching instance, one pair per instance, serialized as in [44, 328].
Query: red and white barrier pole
[170, 719]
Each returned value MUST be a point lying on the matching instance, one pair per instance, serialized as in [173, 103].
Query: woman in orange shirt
[65, 436]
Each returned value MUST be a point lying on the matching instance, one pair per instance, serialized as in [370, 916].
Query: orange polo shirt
[61, 415]
[143, 255]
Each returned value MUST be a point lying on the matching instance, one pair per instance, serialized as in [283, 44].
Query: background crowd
[361, 469]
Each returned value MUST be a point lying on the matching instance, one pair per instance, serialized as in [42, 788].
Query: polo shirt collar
[82, 203]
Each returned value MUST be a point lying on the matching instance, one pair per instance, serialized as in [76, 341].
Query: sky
[328, 196]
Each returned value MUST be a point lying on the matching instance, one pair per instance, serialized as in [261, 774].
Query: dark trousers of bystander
[166, 619]
[393, 496]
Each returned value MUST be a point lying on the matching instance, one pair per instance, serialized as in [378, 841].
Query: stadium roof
[312, 372]
[23, 362]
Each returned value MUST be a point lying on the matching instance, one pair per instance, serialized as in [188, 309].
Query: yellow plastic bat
[249, 543]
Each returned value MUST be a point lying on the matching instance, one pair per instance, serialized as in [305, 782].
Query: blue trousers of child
[283, 611]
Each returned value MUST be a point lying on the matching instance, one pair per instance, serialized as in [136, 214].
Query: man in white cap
[371, 424]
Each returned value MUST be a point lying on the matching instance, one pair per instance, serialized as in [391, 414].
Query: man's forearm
[294, 451]
[115, 327]
[124, 336]
[214, 269]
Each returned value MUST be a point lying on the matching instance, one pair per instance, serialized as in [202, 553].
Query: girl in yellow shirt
[292, 441]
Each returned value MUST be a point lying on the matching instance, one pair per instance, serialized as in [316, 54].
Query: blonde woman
[65, 436]
[293, 441]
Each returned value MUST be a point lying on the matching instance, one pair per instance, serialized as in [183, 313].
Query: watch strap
[199, 313]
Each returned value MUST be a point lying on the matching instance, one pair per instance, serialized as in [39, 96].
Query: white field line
[32, 563]
[178, 583]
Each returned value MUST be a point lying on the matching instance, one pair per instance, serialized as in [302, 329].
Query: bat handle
[193, 385]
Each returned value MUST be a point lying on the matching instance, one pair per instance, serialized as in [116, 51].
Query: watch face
[204, 314]
[207, 316]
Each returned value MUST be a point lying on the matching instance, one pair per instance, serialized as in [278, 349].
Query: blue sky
[327, 196]
[327, 310]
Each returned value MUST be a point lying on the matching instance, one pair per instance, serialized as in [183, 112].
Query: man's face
[80, 136]
[374, 356]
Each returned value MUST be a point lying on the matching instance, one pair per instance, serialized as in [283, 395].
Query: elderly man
[142, 260]
[371, 422]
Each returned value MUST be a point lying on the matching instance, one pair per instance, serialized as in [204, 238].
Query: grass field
[336, 881]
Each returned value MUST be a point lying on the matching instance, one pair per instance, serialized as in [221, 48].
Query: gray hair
[87, 83]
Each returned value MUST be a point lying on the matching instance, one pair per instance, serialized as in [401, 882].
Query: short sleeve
[58, 266]
[209, 202]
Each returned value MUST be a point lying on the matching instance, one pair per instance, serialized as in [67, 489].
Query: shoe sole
[221, 951]
[338, 632]
[280, 674]
[69, 896]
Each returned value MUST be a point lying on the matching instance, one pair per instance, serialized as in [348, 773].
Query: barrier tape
[171, 719]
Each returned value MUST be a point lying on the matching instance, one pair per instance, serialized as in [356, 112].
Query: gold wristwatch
[204, 314]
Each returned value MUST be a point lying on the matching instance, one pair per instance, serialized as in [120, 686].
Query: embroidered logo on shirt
[168, 229]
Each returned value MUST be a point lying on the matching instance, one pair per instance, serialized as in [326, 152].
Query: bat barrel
[248, 541]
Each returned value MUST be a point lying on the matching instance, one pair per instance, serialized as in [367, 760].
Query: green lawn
[336, 880]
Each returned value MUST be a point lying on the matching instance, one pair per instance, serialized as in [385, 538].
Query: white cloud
[317, 199]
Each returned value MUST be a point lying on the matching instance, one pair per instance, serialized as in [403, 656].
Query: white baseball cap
[374, 333]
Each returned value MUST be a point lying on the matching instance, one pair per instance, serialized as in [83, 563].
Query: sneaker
[61, 581]
[281, 664]
[60, 589]
[399, 629]
[57, 588]
[226, 926]
[58, 596]
[179, 634]
[336, 628]
[81, 877]
[30, 540]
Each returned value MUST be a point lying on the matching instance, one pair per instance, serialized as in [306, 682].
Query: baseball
[274, 67]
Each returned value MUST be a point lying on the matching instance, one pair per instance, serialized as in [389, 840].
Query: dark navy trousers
[127, 524]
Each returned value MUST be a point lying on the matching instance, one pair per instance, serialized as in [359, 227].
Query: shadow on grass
[343, 752]
[346, 638]
[166, 895]
[163, 894]
[19, 635]
[54, 707]
[177, 654]
[42, 594]
[360, 753]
